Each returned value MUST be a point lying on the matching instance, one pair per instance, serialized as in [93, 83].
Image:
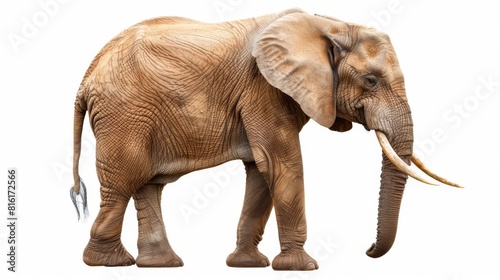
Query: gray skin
[169, 96]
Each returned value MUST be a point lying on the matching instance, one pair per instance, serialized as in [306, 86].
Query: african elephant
[172, 95]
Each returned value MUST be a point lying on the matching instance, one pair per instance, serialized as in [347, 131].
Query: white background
[450, 56]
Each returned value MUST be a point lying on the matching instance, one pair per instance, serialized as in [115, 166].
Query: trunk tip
[375, 252]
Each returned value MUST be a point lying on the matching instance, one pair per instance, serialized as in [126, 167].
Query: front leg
[257, 207]
[287, 189]
[279, 160]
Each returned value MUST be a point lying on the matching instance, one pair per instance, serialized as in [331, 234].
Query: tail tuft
[80, 204]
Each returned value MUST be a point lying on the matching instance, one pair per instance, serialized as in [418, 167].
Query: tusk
[396, 160]
[422, 167]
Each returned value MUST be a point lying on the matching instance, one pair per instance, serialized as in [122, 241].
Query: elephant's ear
[299, 55]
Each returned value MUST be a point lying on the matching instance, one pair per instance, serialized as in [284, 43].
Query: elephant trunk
[392, 187]
[391, 193]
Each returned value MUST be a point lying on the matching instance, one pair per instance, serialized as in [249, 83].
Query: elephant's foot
[166, 259]
[294, 260]
[157, 254]
[99, 253]
[247, 258]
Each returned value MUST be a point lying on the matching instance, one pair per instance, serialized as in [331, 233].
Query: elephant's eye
[370, 81]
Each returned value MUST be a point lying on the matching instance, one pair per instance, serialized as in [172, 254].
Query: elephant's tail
[78, 190]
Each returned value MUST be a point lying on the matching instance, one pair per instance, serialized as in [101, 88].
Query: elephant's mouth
[362, 118]
[394, 157]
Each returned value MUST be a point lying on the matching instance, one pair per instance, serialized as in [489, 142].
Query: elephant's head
[341, 73]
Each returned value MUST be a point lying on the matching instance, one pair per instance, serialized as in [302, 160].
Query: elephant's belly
[175, 167]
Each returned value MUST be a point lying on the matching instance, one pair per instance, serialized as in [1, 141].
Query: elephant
[172, 95]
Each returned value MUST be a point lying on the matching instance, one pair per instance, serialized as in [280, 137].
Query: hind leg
[153, 245]
[121, 169]
[105, 247]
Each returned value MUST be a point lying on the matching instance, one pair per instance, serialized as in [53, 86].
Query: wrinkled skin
[169, 96]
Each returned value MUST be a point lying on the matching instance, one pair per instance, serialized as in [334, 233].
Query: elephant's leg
[289, 206]
[256, 209]
[105, 247]
[122, 169]
[153, 245]
[279, 160]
